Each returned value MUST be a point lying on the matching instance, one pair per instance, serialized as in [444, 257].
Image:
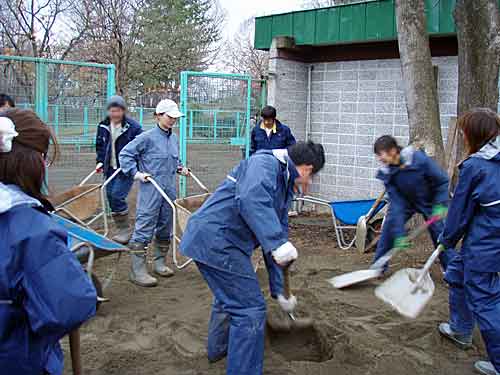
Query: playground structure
[71, 98]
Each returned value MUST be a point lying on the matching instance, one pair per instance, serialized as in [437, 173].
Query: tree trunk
[478, 27]
[418, 77]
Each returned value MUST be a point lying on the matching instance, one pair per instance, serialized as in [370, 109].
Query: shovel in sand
[377, 268]
[409, 290]
[290, 322]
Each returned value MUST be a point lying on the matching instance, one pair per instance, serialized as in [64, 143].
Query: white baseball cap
[169, 107]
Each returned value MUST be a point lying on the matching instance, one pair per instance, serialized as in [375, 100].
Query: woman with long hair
[44, 292]
[474, 218]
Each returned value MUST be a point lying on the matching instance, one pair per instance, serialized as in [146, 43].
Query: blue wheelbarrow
[365, 217]
[88, 246]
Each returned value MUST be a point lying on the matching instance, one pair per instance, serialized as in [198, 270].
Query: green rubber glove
[440, 210]
[402, 243]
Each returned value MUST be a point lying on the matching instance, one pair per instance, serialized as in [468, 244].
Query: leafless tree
[240, 56]
[418, 76]
[478, 32]
[29, 27]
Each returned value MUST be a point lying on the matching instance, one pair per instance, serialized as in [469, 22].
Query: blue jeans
[475, 297]
[237, 322]
[117, 191]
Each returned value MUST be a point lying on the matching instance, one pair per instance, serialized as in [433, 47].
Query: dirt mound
[162, 330]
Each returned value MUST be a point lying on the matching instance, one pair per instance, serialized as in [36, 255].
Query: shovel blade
[355, 277]
[400, 291]
[361, 234]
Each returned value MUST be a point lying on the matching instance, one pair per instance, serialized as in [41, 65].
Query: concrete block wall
[353, 103]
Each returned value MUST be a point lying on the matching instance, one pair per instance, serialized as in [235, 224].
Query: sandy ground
[162, 330]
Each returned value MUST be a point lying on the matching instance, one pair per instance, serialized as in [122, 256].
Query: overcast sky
[238, 11]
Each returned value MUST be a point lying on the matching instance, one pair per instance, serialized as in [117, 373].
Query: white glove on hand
[287, 305]
[285, 254]
[143, 177]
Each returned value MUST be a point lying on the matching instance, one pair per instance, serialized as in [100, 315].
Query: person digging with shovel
[474, 217]
[249, 209]
[415, 184]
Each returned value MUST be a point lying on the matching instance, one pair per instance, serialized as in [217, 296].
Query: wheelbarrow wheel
[98, 288]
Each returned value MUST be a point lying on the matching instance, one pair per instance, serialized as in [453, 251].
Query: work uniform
[155, 152]
[280, 136]
[474, 216]
[415, 186]
[108, 154]
[250, 208]
[44, 292]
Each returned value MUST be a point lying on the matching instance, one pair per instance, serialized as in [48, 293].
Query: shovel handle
[74, 345]
[370, 213]
[286, 281]
[428, 266]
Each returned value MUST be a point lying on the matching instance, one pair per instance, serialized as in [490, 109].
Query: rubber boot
[160, 252]
[139, 272]
[485, 368]
[122, 225]
[463, 342]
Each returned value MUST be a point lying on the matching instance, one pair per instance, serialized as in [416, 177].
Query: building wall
[353, 103]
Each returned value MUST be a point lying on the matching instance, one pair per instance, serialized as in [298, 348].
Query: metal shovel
[362, 225]
[377, 268]
[409, 290]
[291, 322]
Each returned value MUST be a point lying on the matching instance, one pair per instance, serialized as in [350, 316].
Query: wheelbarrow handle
[197, 180]
[89, 176]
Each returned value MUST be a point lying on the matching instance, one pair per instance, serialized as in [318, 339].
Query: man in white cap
[154, 153]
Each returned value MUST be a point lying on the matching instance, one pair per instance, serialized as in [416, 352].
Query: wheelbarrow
[182, 209]
[346, 215]
[85, 203]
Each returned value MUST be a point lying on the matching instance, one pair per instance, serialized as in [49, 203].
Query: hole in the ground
[300, 343]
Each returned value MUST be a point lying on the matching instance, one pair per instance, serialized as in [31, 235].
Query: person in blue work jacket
[154, 153]
[474, 218]
[114, 133]
[415, 184]
[44, 292]
[249, 209]
[269, 133]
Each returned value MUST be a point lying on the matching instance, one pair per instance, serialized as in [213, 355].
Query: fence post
[141, 116]
[182, 132]
[190, 124]
[56, 119]
[263, 93]
[85, 121]
[110, 82]
[247, 125]
[215, 126]
[41, 91]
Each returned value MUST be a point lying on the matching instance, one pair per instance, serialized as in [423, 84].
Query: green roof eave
[367, 21]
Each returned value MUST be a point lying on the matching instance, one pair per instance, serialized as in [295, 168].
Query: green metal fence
[215, 133]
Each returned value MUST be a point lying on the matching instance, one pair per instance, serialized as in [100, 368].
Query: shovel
[377, 268]
[291, 322]
[409, 290]
[362, 225]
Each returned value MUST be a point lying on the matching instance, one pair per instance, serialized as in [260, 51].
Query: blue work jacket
[417, 185]
[249, 208]
[44, 291]
[474, 213]
[155, 152]
[280, 139]
[130, 130]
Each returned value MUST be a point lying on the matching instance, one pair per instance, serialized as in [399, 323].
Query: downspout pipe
[308, 102]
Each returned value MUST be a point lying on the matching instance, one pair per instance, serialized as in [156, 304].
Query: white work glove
[98, 168]
[285, 254]
[287, 305]
[183, 171]
[143, 177]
